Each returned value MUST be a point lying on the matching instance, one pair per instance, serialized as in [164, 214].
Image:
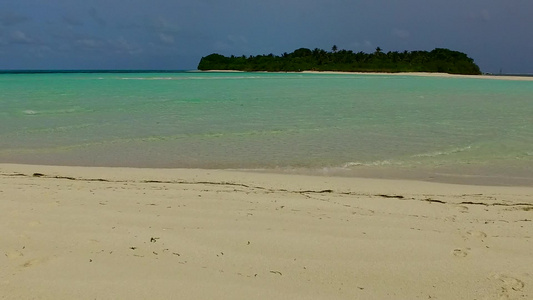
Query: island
[439, 60]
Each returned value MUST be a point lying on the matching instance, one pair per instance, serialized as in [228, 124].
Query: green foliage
[303, 59]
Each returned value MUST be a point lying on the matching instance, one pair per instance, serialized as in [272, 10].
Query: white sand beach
[118, 233]
[426, 74]
[500, 77]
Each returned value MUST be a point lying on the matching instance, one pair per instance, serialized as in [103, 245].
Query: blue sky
[175, 34]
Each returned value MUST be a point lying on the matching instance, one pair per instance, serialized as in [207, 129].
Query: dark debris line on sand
[527, 206]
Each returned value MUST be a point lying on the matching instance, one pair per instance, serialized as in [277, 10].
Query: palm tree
[334, 48]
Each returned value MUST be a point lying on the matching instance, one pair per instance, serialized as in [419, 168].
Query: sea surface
[462, 130]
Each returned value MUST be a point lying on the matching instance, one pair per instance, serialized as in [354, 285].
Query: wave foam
[369, 164]
[31, 112]
[148, 78]
[441, 153]
[191, 78]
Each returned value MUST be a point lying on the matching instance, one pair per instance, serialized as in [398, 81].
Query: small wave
[193, 78]
[369, 164]
[223, 77]
[32, 112]
[147, 78]
[441, 153]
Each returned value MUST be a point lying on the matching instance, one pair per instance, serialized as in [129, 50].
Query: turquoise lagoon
[464, 130]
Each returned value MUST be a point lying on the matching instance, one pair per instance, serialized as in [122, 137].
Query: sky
[175, 34]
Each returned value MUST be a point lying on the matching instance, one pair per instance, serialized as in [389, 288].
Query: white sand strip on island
[426, 74]
[117, 233]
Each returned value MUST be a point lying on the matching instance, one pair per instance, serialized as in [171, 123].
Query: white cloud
[232, 41]
[95, 44]
[237, 39]
[89, 43]
[365, 46]
[166, 38]
[123, 46]
[401, 33]
[163, 25]
[482, 15]
[19, 37]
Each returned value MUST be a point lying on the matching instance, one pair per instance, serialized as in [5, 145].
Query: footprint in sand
[32, 262]
[462, 208]
[509, 286]
[363, 212]
[477, 234]
[510, 283]
[34, 224]
[14, 254]
[460, 252]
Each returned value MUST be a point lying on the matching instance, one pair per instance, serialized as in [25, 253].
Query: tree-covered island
[303, 59]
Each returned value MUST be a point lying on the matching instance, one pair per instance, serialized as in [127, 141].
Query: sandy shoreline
[444, 75]
[500, 77]
[118, 233]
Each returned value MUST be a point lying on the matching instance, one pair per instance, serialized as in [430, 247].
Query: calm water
[351, 125]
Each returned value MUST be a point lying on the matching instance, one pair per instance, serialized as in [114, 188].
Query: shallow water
[349, 125]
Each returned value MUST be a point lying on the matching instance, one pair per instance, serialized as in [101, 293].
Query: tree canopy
[437, 61]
